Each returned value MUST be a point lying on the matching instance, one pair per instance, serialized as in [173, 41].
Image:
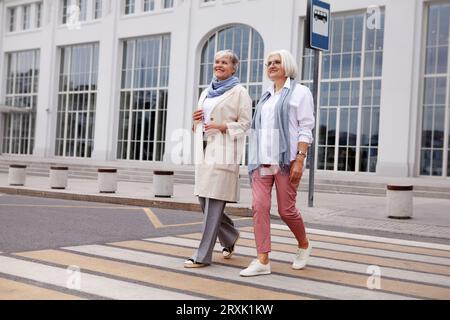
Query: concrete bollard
[107, 180]
[17, 175]
[163, 184]
[399, 201]
[58, 177]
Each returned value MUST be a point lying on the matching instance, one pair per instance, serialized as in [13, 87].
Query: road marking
[154, 276]
[356, 257]
[246, 247]
[312, 273]
[153, 269]
[198, 223]
[64, 207]
[363, 243]
[370, 238]
[274, 281]
[356, 249]
[159, 225]
[91, 284]
[13, 290]
[153, 218]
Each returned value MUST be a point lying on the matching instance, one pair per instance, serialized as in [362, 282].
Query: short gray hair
[231, 55]
[288, 62]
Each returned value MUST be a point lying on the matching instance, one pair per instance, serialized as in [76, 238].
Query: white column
[158, 5]
[179, 109]
[139, 6]
[32, 13]
[48, 86]
[107, 114]
[3, 71]
[90, 10]
[398, 100]
[18, 19]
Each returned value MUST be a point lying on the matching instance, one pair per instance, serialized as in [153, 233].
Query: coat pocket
[231, 168]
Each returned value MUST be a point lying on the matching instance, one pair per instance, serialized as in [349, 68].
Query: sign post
[317, 38]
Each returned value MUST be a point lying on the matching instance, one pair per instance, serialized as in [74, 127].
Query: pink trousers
[286, 200]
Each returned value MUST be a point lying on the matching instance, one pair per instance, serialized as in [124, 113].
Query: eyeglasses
[275, 63]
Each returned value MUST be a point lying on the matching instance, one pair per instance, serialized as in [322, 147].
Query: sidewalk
[431, 216]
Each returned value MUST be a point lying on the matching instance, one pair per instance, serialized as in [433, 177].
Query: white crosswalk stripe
[432, 279]
[369, 238]
[228, 273]
[355, 249]
[91, 284]
[153, 269]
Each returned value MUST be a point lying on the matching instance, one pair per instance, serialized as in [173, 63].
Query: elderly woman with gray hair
[220, 124]
[282, 132]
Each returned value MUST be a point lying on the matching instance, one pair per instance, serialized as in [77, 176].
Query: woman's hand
[296, 170]
[214, 126]
[198, 115]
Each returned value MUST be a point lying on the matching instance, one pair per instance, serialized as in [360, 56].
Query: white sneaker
[301, 258]
[256, 268]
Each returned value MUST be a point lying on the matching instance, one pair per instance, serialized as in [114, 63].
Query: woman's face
[274, 69]
[223, 67]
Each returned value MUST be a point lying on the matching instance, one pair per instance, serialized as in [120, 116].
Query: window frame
[424, 76]
[361, 79]
[127, 113]
[12, 142]
[67, 95]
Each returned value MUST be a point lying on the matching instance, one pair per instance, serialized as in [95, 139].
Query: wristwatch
[301, 153]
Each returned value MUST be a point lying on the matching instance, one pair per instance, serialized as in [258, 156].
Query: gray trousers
[215, 224]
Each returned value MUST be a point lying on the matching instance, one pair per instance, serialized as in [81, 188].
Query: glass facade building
[123, 83]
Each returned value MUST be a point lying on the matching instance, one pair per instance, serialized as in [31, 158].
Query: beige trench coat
[217, 167]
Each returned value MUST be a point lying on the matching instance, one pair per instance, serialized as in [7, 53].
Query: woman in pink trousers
[281, 135]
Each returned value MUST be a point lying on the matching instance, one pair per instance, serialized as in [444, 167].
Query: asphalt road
[58, 249]
[29, 223]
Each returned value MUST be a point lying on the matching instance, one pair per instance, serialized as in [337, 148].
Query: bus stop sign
[319, 24]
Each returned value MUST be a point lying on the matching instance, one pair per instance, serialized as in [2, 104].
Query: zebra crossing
[342, 266]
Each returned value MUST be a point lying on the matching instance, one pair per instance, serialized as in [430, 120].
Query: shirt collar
[287, 85]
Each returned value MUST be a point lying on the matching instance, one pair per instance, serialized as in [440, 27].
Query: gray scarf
[281, 124]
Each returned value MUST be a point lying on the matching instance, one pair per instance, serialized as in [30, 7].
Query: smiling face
[274, 69]
[223, 67]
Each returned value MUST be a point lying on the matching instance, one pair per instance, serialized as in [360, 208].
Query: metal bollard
[58, 177]
[107, 180]
[17, 175]
[399, 201]
[163, 184]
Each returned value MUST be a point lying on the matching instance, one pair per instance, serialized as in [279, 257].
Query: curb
[174, 205]
[194, 207]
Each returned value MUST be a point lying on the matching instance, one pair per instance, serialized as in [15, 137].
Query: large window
[19, 18]
[129, 6]
[149, 5]
[167, 4]
[98, 9]
[38, 14]
[12, 19]
[21, 94]
[435, 148]
[26, 17]
[77, 101]
[249, 46]
[350, 89]
[143, 98]
[77, 8]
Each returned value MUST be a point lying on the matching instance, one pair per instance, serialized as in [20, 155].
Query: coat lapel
[222, 98]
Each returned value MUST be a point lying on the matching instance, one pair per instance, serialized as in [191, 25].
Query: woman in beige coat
[220, 125]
